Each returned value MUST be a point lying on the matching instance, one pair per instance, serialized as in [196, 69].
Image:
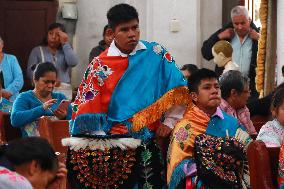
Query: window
[253, 8]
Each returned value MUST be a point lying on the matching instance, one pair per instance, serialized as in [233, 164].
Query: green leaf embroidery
[181, 145]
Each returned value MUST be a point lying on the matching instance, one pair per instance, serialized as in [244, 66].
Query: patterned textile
[180, 160]
[219, 161]
[272, 134]
[116, 168]
[108, 93]
[12, 180]
[243, 116]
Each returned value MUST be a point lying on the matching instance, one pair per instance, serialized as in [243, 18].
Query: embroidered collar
[114, 51]
[218, 113]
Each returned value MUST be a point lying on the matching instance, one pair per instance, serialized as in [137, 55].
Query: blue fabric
[27, 108]
[6, 105]
[84, 124]
[148, 77]
[178, 174]
[242, 53]
[12, 74]
[144, 134]
[217, 126]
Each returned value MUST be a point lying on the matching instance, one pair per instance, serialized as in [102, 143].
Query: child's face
[209, 94]
[279, 114]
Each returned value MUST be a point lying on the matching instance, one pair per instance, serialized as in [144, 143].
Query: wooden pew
[263, 165]
[54, 131]
[7, 131]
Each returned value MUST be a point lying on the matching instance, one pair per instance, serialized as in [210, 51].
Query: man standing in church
[243, 36]
[124, 91]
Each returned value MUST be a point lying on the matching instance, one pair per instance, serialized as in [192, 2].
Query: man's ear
[194, 96]
[33, 167]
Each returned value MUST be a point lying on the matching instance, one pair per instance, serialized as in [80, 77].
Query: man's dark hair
[42, 68]
[121, 13]
[24, 150]
[105, 29]
[190, 68]
[230, 80]
[195, 78]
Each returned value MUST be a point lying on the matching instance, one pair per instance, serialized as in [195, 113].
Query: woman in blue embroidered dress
[31, 105]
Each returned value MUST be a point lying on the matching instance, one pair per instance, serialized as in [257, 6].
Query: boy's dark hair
[232, 79]
[51, 27]
[190, 68]
[121, 13]
[42, 68]
[24, 150]
[278, 98]
[195, 78]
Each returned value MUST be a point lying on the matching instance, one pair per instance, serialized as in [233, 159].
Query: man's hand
[60, 180]
[254, 35]
[163, 131]
[226, 34]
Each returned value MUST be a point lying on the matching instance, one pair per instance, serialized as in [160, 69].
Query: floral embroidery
[182, 135]
[12, 176]
[158, 49]
[102, 73]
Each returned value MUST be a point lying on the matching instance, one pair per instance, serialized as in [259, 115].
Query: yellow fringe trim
[260, 69]
[154, 112]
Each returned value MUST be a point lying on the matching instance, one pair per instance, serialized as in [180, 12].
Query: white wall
[198, 19]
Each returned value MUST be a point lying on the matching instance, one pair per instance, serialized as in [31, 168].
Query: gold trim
[154, 112]
[260, 69]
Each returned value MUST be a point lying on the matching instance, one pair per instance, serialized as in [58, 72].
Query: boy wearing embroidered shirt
[204, 117]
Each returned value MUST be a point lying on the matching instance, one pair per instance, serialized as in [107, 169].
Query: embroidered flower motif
[102, 73]
[181, 135]
[158, 49]
[91, 94]
[168, 57]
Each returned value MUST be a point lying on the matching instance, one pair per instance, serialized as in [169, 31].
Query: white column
[280, 40]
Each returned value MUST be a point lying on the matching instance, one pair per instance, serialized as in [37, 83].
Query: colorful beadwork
[102, 169]
[219, 160]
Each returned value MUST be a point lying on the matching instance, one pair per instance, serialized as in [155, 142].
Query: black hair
[105, 29]
[43, 68]
[195, 78]
[190, 68]
[24, 150]
[121, 13]
[278, 98]
[51, 27]
[283, 69]
[230, 80]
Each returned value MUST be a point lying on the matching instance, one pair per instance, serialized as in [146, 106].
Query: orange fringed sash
[154, 112]
[194, 123]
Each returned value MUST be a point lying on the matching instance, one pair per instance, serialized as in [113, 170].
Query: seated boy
[204, 117]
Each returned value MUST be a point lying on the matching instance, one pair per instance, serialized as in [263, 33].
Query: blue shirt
[12, 74]
[28, 108]
[242, 53]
